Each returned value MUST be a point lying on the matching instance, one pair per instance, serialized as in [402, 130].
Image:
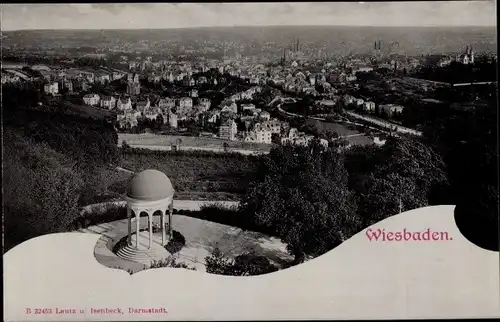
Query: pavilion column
[163, 237]
[150, 228]
[137, 223]
[129, 217]
[170, 212]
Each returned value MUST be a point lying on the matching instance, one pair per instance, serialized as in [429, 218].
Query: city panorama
[240, 138]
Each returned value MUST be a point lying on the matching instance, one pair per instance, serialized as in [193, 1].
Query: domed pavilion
[149, 192]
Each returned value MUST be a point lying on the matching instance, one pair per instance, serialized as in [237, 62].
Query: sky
[172, 15]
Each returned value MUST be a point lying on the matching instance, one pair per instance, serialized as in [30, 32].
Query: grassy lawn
[88, 111]
[190, 141]
[342, 130]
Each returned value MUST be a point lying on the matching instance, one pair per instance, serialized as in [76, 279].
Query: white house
[246, 107]
[369, 106]
[151, 112]
[214, 116]
[124, 104]
[259, 136]
[91, 99]
[108, 102]
[230, 107]
[52, 88]
[228, 130]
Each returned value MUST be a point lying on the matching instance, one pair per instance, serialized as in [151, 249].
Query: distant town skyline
[184, 15]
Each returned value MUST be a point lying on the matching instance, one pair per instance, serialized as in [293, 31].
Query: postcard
[250, 161]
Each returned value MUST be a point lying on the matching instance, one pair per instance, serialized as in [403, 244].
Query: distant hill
[411, 40]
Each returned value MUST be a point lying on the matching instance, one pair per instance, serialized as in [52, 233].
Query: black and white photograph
[248, 139]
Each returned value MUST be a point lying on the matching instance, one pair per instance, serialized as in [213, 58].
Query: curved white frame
[149, 207]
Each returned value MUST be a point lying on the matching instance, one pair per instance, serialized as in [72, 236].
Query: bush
[176, 243]
[128, 270]
[246, 264]
[106, 214]
[170, 262]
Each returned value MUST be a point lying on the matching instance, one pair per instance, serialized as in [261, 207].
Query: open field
[187, 141]
[351, 134]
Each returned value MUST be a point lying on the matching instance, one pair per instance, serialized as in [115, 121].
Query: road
[387, 125]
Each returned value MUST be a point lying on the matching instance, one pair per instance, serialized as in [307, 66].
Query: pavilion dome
[150, 185]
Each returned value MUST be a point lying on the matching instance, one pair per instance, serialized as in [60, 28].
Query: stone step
[145, 256]
[133, 251]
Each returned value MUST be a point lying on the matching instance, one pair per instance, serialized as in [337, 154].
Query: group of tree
[41, 188]
[52, 161]
[482, 70]
[301, 194]
[467, 142]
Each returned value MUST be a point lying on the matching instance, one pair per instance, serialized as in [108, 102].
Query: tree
[41, 189]
[225, 146]
[275, 138]
[217, 263]
[301, 194]
[467, 142]
[159, 121]
[403, 170]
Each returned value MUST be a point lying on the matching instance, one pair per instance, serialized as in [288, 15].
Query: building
[151, 113]
[391, 109]
[117, 75]
[205, 103]
[52, 88]
[259, 136]
[149, 191]
[185, 103]
[128, 119]
[291, 136]
[103, 78]
[228, 130]
[166, 103]
[108, 102]
[133, 89]
[328, 105]
[172, 120]
[247, 107]
[91, 99]
[369, 106]
[143, 105]
[274, 126]
[124, 104]
[265, 115]
[230, 107]
[359, 101]
[467, 57]
[213, 116]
